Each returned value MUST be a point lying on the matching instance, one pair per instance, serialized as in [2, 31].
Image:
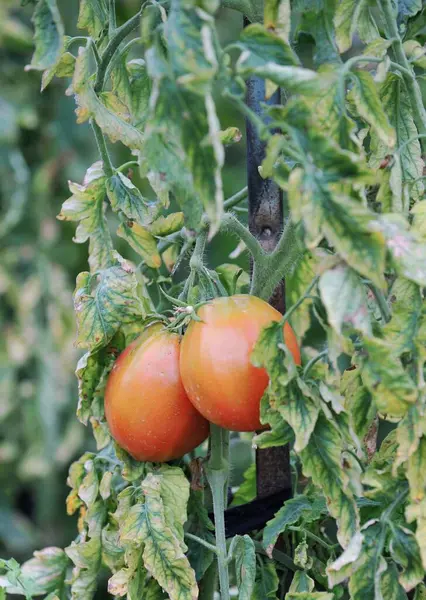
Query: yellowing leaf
[142, 241]
[49, 35]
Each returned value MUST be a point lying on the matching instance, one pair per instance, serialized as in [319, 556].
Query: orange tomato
[147, 409]
[215, 364]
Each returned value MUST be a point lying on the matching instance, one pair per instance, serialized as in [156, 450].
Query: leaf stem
[313, 537]
[113, 44]
[229, 221]
[381, 302]
[313, 362]
[199, 540]
[302, 298]
[416, 101]
[103, 151]
[279, 556]
[217, 475]
[236, 199]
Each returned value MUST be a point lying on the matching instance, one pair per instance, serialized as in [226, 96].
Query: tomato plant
[215, 362]
[146, 407]
[331, 95]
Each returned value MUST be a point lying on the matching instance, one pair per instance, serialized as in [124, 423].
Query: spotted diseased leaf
[64, 67]
[359, 402]
[163, 553]
[409, 432]
[89, 105]
[277, 18]
[93, 16]
[245, 565]
[407, 249]
[86, 205]
[347, 225]
[142, 241]
[104, 303]
[416, 511]
[382, 373]
[49, 35]
[247, 490]
[125, 197]
[130, 581]
[406, 302]
[321, 460]
[261, 47]
[345, 22]
[92, 371]
[367, 101]
[87, 558]
[167, 225]
[296, 283]
[390, 586]
[345, 299]
[290, 396]
[309, 596]
[292, 511]
[405, 551]
[186, 152]
[396, 104]
[46, 571]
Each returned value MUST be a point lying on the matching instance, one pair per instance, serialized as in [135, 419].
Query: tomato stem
[217, 472]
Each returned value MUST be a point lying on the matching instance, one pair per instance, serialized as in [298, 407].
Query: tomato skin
[147, 409]
[215, 360]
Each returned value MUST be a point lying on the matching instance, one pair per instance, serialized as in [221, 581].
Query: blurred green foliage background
[41, 148]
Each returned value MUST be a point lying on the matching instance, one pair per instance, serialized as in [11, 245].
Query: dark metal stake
[266, 223]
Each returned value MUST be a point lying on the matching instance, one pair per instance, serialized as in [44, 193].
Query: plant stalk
[217, 475]
[103, 151]
[416, 101]
[113, 44]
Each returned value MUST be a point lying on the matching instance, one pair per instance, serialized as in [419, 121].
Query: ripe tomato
[215, 363]
[146, 407]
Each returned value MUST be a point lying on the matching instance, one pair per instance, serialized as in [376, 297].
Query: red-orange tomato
[215, 363]
[147, 409]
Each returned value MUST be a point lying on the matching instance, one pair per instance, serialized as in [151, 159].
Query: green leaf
[409, 432]
[266, 583]
[49, 35]
[262, 47]
[408, 8]
[163, 553]
[292, 511]
[382, 373]
[406, 301]
[389, 585]
[103, 306]
[245, 565]
[89, 105]
[405, 551]
[369, 106]
[296, 79]
[301, 582]
[321, 460]
[125, 197]
[247, 490]
[309, 596]
[93, 16]
[396, 104]
[199, 524]
[142, 241]
[345, 299]
[167, 225]
[235, 279]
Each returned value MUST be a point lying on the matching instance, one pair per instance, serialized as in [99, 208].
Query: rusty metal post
[266, 224]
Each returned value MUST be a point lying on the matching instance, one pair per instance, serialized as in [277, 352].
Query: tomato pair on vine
[161, 394]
